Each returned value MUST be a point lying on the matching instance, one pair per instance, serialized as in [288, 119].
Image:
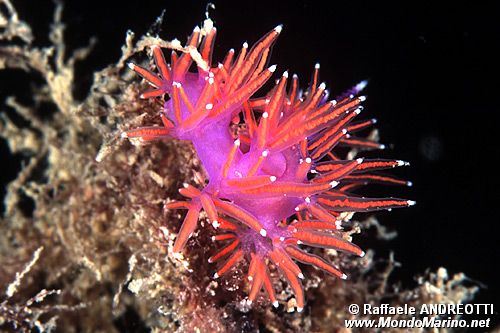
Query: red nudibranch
[275, 185]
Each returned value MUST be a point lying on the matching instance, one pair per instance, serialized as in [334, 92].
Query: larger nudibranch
[274, 184]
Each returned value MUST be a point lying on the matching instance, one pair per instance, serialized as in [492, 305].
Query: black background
[432, 88]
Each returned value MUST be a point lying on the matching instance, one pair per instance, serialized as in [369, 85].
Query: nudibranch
[275, 187]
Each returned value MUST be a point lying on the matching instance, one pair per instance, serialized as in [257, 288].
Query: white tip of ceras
[265, 153]
[124, 135]
[409, 183]
[276, 304]
[362, 254]
[382, 146]
[272, 68]
[196, 29]
[402, 163]
[308, 160]
[216, 276]
[362, 98]
[130, 65]
[333, 102]
[237, 142]
[209, 106]
[272, 178]
[245, 45]
[322, 86]
[285, 74]
[362, 85]
[358, 110]
[215, 224]
[343, 276]
[360, 160]
[299, 309]
[278, 28]
[317, 66]
[265, 115]
[334, 183]
[176, 84]
[411, 203]
[185, 185]
[301, 276]
[263, 232]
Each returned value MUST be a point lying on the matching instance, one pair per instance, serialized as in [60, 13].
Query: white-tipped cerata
[130, 65]
[124, 135]
[272, 178]
[272, 68]
[343, 276]
[411, 203]
[276, 304]
[263, 232]
[278, 28]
